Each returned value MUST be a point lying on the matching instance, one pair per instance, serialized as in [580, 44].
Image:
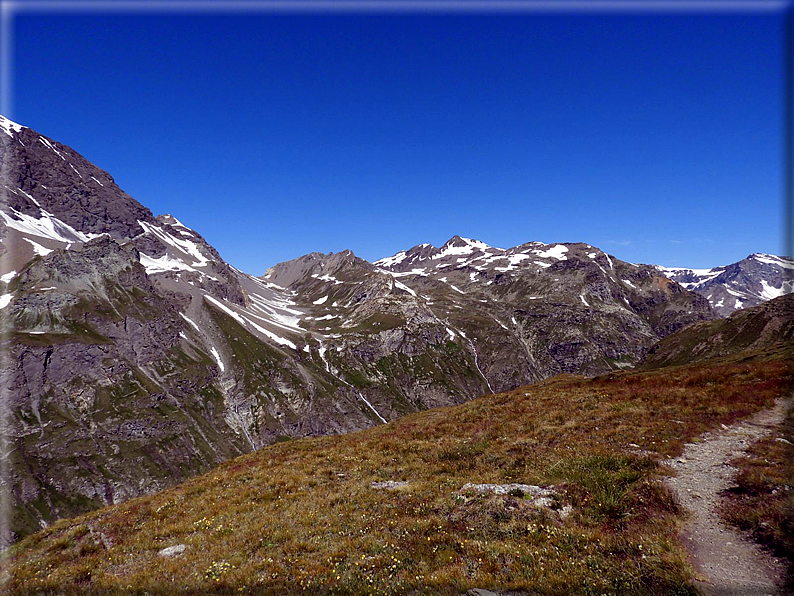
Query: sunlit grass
[301, 516]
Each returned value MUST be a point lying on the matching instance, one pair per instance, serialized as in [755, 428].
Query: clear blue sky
[656, 137]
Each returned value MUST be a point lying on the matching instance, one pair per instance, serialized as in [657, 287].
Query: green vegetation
[301, 515]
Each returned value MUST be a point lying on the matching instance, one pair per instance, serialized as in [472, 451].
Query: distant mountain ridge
[744, 284]
[136, 357]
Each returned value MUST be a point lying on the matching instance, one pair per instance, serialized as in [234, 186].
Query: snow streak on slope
[187, 250]
[47, 226]
[245, 322]
[164, 263]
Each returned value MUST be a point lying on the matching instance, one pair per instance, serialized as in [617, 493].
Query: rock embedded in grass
[172, 551]
[539, 496]
[389, 484]
[506, 489]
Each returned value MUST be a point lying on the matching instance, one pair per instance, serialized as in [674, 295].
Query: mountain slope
[393, 509]
[106, 399]
[129, 338]
[764, 329]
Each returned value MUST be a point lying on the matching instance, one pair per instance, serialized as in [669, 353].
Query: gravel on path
[726, 562]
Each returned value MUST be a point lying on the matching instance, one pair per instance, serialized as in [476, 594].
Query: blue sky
[656, 137]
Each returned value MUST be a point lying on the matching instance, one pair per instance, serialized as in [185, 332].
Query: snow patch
[29, 197]
[735, 292]
[47, 226]
[371, 407]
[773, 260]
[38, 248]
[555, 252]
[517, 258]
[187, 247]
[768, 291]
[321, 300]
[583, 300]
[9, 127]
[8, 276]
[393, 260]
[327, 278]
[164, 263]
[470, 246]
[5, 300]
[402, 286]
[190, 321]
[50, 146]
[217, 358]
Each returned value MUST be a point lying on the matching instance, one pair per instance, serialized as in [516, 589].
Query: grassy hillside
[762, 331]
[302, 515]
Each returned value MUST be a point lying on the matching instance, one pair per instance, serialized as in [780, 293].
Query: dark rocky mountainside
[136, 357]
[65, 185]
[760, 330]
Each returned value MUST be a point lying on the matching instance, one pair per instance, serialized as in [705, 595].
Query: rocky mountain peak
[459, 241]
[314, 264]
[755, 279]
[44, 178]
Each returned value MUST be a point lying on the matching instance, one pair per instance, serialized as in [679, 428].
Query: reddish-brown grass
[301, 516]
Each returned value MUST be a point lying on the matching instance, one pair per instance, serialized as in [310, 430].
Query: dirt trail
[726, 562]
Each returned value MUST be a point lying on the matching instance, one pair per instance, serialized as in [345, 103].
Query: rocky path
[726, 562]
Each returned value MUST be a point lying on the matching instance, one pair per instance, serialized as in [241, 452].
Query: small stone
[172, 551]
[565, 511]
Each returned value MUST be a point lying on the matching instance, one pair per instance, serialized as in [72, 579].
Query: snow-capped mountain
[136, 357]
[744, 284]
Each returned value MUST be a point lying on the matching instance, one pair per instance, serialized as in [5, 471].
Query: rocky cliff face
[136, 357]
[105, 400]
[744, 284]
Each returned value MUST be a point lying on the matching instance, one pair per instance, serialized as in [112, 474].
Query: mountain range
[136, 357]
